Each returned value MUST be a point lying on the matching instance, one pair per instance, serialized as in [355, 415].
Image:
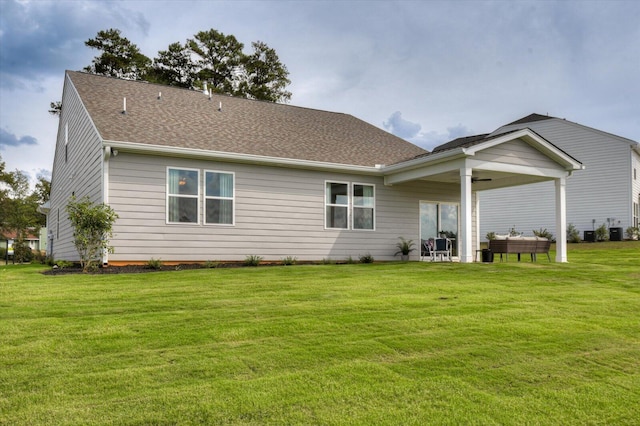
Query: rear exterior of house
[196, 178]
[311, 209]
[606, 192]
[273, 212]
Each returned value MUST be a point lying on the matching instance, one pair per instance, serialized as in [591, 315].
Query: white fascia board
[517, 169]
[422, 172]
[141, 148]
[427, 160]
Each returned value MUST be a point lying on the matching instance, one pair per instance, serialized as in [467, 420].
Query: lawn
[389, 343]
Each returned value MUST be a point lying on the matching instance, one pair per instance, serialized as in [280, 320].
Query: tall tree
[173, 67]
[120, 58]
[265, 77]
[43, 190]
[21, 215]
[219, 57]
[4, 196]
[55, 108]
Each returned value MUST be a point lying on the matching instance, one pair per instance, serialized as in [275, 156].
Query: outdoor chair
[427, 249]
[442, 248]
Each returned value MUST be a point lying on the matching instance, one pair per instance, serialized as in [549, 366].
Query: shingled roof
[463, 141]
[531, 118]
[189, 119]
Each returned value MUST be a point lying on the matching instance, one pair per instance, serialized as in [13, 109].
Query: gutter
[239, 158]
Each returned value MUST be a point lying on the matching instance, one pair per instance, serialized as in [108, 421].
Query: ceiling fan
[477, 179]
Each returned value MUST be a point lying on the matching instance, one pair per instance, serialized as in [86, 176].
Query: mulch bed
[131, 269]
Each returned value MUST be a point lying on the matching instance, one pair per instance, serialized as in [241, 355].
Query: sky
[426, 71]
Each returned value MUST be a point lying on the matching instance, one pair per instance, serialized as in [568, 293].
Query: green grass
[395, 343]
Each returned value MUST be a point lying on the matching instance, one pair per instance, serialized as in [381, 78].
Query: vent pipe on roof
[209, 94]
[159, 95]
[220, 106]
[205, 91]
[124, 105]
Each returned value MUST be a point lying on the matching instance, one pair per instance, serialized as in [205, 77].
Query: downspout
[105, 192]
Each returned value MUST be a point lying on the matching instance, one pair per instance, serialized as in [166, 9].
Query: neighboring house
[606, 192]
[33, 241]
[197, 177]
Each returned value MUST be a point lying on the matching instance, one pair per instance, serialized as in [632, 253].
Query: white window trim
[352, 189]
[326, 204]
[232, 198]
[167, 195]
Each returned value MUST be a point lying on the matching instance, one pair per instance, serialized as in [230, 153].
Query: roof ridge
[218, 94]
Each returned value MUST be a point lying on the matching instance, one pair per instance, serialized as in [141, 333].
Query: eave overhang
[170, 151]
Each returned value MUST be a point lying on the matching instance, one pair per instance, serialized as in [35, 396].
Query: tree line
[18, 209]
[210, 59]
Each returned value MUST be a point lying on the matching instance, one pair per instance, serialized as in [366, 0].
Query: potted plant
[404, 248]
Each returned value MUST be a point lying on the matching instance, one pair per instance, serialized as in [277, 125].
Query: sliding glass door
[437, 219]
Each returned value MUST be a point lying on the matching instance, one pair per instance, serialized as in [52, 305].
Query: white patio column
[476, 218]
[465, 254]
[561, 219]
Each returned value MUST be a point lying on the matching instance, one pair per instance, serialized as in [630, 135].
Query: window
[219, 194]
[438, 219]
[337, 205]
[182, 195]
[636, 213]
[344, 208]
[363, 206]
[66, 142]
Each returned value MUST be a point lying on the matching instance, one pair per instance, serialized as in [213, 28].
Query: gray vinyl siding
[635, 189]
[516, 152]
[279, 212]
[79, 172]
[599, 192]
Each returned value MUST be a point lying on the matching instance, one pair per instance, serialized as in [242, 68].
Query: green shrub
[155, 264]
[602, 234]
[328, 261]
[632, 232]
[210, 264]
[350, 260]
[366, 258]
[573, 235]
[22, 252]
[92, 228]
[543, 233]
[289, 260]
[252, 260]
[490, 236]
[63, 264]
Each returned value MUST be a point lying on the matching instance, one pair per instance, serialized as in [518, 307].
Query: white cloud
[10, 139]
[481, 65]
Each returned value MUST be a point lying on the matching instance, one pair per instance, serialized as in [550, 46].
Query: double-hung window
[349, 206]
[336, 205]
[183, 195]
[363, 206]
[219, 198]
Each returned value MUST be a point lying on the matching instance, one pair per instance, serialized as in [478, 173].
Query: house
[197, 177]
[32, 239]
[606, 192]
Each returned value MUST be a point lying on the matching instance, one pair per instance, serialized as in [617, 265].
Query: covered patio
[481, 163]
